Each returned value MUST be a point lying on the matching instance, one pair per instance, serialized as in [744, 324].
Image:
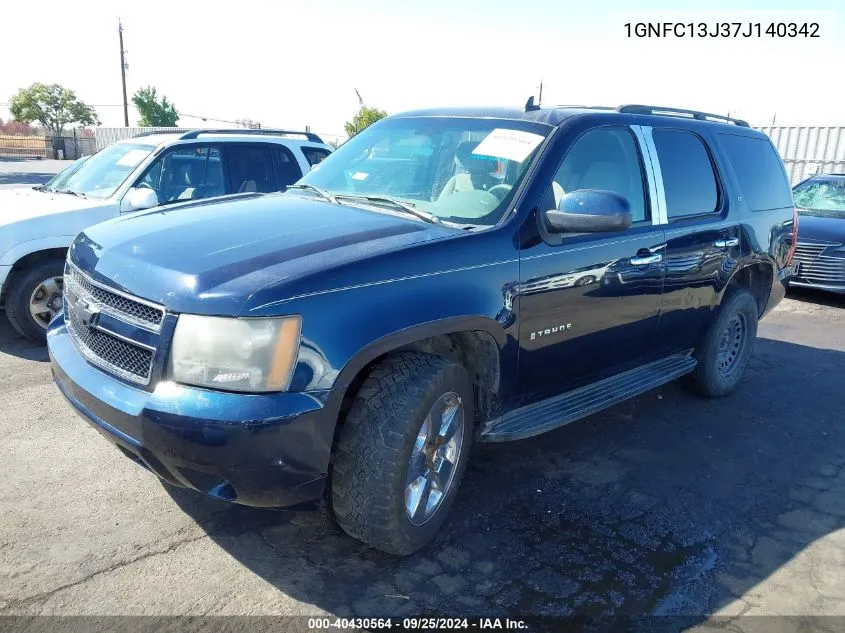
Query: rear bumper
[264, 450]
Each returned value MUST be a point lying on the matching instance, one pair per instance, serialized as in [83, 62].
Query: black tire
[375, 446]
[21, 287]
[717, 374]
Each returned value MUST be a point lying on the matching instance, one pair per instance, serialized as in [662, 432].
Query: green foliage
[154, 113]
[53, 106]
[364, 118]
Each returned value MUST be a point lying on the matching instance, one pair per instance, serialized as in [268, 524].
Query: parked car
[820, 256]
[151, 169]
[344, 344]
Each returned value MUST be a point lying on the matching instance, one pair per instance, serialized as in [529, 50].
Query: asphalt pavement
[668, 504]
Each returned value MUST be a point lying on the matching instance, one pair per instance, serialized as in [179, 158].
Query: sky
[298, 62]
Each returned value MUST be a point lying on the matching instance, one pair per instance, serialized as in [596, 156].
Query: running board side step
[539, 417]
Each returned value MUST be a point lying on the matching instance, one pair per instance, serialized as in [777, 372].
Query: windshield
[55, 181]
[821, 196]
[105, 171]
[461, 170]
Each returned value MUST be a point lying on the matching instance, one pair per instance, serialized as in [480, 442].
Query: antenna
[360, 100]
[530, 106]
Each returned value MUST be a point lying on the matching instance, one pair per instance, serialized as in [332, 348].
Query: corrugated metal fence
[809, 150]
[107, 135]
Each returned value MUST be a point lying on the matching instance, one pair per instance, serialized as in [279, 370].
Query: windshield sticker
[514, 145]
[133, 157]
[360, 175]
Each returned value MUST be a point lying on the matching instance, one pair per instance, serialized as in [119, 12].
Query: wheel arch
[478, 343]
[757, 277]
[33, 251]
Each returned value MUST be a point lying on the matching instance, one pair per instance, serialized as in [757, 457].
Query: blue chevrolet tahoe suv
[446, 277]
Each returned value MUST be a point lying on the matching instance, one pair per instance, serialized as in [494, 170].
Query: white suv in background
[37, 224]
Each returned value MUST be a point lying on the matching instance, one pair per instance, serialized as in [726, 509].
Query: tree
[248, 124]
[53, 106]
[154, 113]
[364, 118]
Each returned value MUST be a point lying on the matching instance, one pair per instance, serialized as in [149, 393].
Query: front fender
[343, 332]
[10, 257]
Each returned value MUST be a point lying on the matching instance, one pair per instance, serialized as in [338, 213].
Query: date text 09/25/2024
[722, 29]
[417, 624]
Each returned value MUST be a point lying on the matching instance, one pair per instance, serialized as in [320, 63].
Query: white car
[37, 224]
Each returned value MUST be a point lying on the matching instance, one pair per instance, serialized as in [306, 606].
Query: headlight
[234, 354]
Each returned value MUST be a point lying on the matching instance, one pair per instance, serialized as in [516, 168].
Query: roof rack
[248, 131]
[689, 114]
[189, 134]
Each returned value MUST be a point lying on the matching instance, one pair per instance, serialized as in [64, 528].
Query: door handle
[731, 241]
[654, 258]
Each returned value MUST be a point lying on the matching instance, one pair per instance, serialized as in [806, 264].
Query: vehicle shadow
[818, 297]
[14, 344]
[666, 504]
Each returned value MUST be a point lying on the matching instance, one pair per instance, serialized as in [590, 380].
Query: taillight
[794, 244]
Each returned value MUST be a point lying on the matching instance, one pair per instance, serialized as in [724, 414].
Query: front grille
[108, 350]
[115, 303]
[816, 268]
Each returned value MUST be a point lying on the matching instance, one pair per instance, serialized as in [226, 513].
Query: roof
[556, 115]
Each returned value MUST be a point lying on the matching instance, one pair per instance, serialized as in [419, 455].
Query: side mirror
[138, 198]
[589, 211]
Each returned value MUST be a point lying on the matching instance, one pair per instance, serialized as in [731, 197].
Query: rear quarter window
[759, 170]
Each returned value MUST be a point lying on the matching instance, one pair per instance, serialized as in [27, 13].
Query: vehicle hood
[209, 257]
[25, 203]
[823, 228]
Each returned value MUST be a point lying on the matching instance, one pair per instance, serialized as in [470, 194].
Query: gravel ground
[666, 504]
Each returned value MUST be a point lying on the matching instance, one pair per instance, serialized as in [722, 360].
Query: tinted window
[186, 173]
[250, 169]
[603, 159]
[759, 171]
[287, 169]
[314, 155]
[688, 178]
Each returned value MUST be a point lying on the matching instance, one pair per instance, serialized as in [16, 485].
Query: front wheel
[35, 297]
[402, 452]
[726, 348]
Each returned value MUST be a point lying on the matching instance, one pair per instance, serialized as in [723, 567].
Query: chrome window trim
[661, 215]
[655, 194]
[107, 309]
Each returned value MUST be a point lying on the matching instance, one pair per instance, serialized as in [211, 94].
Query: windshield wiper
[407, 207]
[325, 195]
[70, 192]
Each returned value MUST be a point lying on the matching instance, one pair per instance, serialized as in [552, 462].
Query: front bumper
[803, 283]
[264, 450]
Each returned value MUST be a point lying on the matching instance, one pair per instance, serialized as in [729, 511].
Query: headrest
[476, 164]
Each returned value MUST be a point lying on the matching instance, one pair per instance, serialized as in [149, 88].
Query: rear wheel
[402, 452]
[726, 348]
[34, 297]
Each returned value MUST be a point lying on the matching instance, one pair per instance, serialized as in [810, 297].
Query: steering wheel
[143, 185]
[500, 191]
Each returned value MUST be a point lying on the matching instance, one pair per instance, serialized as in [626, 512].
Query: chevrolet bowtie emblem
[88, 313]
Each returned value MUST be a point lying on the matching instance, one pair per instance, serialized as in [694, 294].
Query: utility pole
[123, 75]
[540, 96]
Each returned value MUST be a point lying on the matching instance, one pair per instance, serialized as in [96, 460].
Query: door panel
[701, 249]
[589, 303]
[586, 310]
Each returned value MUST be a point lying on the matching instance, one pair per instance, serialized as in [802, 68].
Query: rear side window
[688, 177]
[759, 171]
[314, 155]
[287, 169]
[250, 169]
